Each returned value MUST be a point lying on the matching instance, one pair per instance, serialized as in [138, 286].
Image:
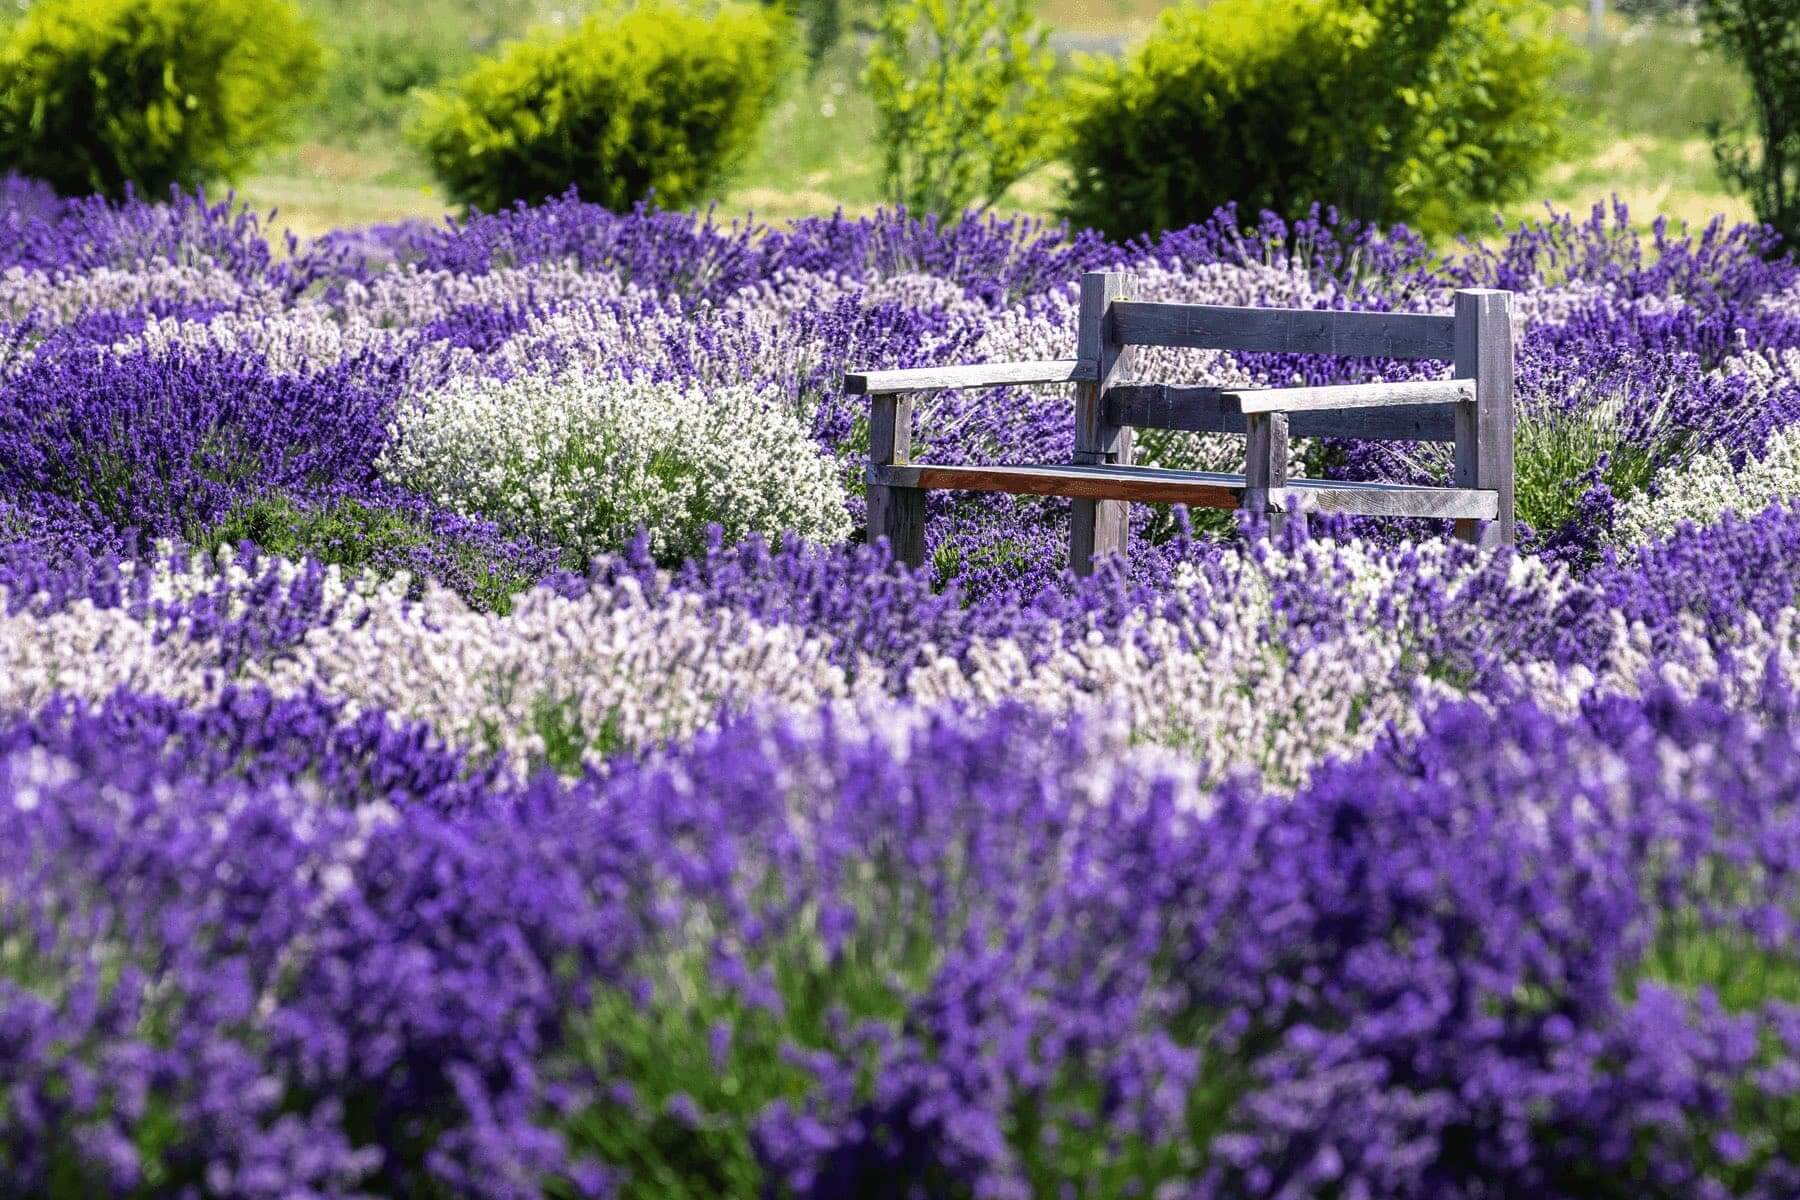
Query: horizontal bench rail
[1193, 409]
[1285, 330]
[972, 375]
[1197, 489]
[1352, 395]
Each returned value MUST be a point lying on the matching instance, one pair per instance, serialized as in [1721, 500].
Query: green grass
[818, 149]
[1641, 110]
[1642, 105]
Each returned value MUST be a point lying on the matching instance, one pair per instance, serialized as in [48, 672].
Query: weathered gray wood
[1265, 465]
[1099, 526]
[1383, 500]
[1096, 438]
[1352, 395]
[890, 428]
[1197, 489]
[897, 513]
[1301, 331]
[972, 375]
[1204, 410]
[1474, 412]
[1484, 429]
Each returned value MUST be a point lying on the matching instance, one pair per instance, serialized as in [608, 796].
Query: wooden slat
[1352, 395]
[1204, 410]
[1383, 500]
[1199, 489]
[973, 375]
[1286, 330]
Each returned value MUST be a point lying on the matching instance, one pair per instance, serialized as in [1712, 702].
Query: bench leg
[1265, 466]
[1484, 429]
[1098, 528]
[898, 514]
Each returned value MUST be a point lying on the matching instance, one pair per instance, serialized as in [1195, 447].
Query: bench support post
[1484, 429]
[1266, 465]
[895, 513]
[1099, 527]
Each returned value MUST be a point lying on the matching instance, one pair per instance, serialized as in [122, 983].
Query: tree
[1763, 36]
[963, 100]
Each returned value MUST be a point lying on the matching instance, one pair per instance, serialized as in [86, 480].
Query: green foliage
[567, 740]
[1763, 36]
[694, 1042]
[372, 78]
[1551, 449]
[664, 1049]
[1727, 964]
[354, 536]
[379, 55]
[96, 95]
[1695, 86]
[1656, 10]
[1431, 112]
[654, 99]
[1690, 954]
[824, 21]
[700, 1061]
[962, 92]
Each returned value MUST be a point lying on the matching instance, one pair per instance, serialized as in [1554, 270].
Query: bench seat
[1196, 489]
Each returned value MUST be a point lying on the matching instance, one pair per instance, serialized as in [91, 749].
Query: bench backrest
[1476, 338]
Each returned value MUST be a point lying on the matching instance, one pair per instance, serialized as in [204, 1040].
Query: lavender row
[261, 949]
[1270, 659]
[418, 344]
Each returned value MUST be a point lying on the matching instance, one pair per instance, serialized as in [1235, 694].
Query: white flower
[1702, 490]
[585, 461]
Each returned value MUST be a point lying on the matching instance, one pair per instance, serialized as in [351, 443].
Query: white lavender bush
[1704, 489]
[586, 461]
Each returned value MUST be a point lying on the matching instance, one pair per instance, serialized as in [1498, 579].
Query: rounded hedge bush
[1429, 112]
[653, 100]
[99, 95]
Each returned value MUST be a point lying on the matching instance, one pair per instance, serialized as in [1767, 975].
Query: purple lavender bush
[1519, 954]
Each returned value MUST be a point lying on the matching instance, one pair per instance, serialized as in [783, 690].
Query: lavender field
[455, 742]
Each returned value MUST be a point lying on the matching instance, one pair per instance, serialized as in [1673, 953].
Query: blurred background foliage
[1641, 99]
[652, 100]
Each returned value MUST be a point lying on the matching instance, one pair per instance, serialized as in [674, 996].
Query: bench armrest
[924, 379]
[1354, 395]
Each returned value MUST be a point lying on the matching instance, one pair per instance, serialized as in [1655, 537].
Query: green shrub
[1763, 36]
[359, 537]
[1430, 112]
[380, 54]
[962, 95]
[96, 95]
[655, 99]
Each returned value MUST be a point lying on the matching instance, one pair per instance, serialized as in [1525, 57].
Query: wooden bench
[1474, 411]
